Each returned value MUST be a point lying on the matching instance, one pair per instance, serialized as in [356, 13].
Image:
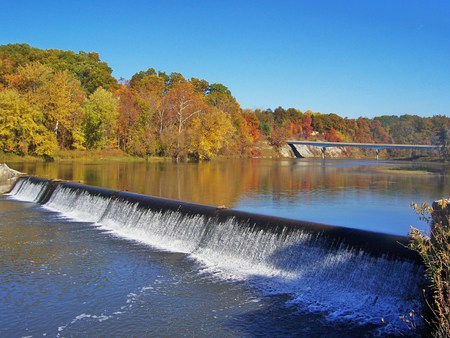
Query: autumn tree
[181, 103]
[31, 80]
[101, 112]
[85, 66]
[58, 96]
[332, 136]
[63, 110]
[379, 134]
[278, 137]
[21, 127]
[209, 132]
[307, 128]
[362, 133]
[127, 120]
[252, 123]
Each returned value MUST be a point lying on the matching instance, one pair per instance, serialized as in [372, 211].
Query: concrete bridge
[376, 146]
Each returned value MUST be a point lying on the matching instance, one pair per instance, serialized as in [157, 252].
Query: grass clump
[434, 248]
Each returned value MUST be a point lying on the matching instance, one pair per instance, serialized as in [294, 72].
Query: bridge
[376, 146]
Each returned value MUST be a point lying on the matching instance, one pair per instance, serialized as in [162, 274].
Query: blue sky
[349, 57]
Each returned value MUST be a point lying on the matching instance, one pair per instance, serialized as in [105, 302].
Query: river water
[337, 192]
[70, 277]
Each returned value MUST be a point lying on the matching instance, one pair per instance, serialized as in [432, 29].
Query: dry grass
[434, 247]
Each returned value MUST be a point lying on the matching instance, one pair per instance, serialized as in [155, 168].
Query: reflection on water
[339, 192]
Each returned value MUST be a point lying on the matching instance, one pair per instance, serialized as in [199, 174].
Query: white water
[27, 190]
[343, 284]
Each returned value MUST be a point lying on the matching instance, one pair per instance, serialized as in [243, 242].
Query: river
[64, 275]
[348, 193]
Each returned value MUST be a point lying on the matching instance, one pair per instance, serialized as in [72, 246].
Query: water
[338, 192]
[89, 265]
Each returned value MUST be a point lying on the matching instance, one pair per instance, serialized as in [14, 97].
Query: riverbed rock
[8, 177]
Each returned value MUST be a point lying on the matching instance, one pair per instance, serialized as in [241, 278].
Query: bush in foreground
[434, 248]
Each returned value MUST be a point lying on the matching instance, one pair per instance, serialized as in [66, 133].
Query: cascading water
[28, 190]
[323, 273]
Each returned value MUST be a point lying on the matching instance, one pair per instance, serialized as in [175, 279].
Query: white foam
[27, 190]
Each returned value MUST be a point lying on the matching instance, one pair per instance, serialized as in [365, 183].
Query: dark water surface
[337, 192]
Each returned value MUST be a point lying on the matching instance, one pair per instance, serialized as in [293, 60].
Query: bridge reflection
[376, 146]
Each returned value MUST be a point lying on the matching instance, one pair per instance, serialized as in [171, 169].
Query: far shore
[422, 170]
[115, 155]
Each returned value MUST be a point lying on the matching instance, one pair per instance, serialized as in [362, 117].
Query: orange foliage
[252, 123]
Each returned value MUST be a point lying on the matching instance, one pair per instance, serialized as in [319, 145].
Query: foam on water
[344, 283]
[78, 204]
[27, 190]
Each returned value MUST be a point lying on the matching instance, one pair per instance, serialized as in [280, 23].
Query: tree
[101, 112]
[127, 119]
[181, 103]
[253, 125]
[278, 137]
[363, 134]
[223, 101]
[443, 137]
[209, 133]
[21, 127]
[332, 136]
[63, 109]
[379, 134]
[30, 80]
[136, 78]
[87, 67]
[306, 125]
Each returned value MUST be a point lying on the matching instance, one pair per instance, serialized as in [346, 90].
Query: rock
[8, 177]
[312, 151]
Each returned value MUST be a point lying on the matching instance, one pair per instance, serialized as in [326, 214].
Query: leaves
[101, 112]
[434, 248]
[21, 128]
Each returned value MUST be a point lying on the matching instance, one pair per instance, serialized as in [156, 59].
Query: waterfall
[346, 274]
[28, 190]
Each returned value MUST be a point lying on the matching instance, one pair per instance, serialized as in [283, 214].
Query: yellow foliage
[209, 133]
[21, 128]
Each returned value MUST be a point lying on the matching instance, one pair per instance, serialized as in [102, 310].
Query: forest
[52, 100]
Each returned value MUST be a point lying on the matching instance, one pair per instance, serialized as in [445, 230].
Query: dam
[366, 283]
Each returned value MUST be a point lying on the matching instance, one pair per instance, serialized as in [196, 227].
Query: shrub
[434, 248]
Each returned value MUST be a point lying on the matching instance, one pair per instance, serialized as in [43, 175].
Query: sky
[349, 57]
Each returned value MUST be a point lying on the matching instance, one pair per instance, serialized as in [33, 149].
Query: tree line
[282, 124]
[53, 99]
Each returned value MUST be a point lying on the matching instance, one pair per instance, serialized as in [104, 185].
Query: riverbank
[80, 155]
[262, 149]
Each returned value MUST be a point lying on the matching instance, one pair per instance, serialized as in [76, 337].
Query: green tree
[87, 67]
[101, 111]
